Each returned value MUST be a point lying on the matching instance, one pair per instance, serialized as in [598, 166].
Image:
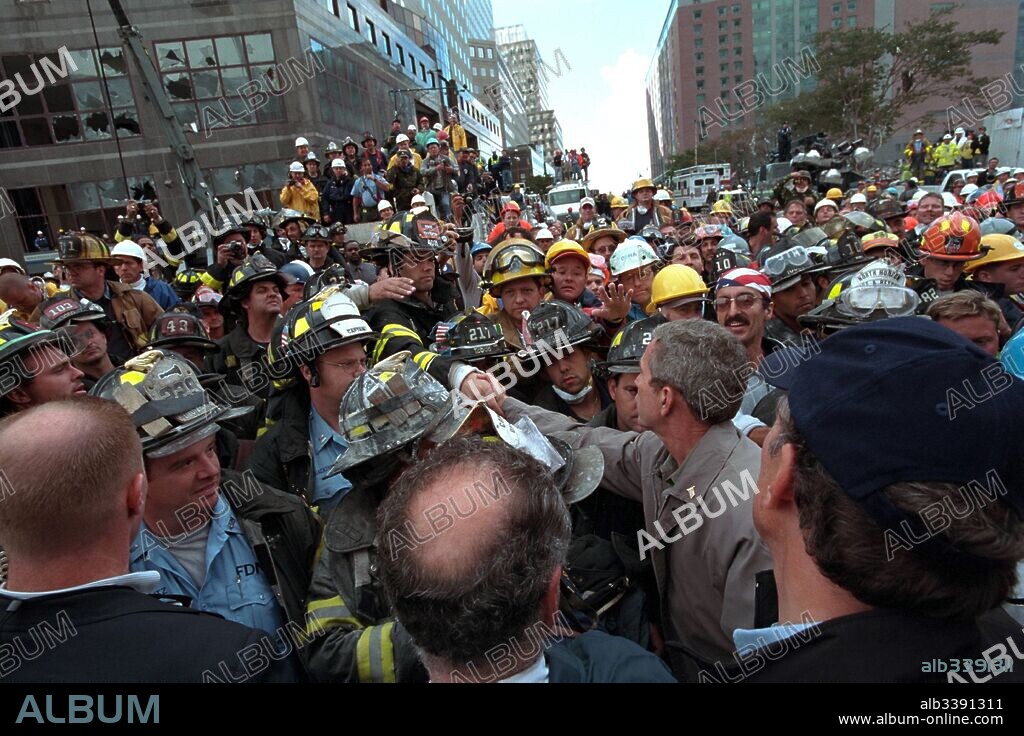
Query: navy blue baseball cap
[904, 400]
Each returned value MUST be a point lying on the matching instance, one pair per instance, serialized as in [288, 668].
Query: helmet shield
[387, 407]
[162, 393]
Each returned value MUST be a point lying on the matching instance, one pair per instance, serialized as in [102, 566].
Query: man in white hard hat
[824, 211]
[41, 242]
[299, 193]
[859, 202]
[301, 149]
[403, 143]
[131, 269]
[544, 239]
[9, 265]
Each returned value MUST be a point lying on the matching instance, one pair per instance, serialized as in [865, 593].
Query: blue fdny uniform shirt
[235, 586]
[636, 313]
[328, 445]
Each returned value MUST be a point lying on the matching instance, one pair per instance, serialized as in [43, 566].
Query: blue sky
[601, 100]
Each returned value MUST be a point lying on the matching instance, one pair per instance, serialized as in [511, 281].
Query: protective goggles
[787, 260]
[316, 232]
[516, 258]
[863, 301]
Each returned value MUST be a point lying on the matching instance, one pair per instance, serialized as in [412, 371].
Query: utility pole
[444, 103]
[188, 168]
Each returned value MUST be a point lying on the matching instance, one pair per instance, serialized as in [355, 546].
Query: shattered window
[228, 81]
[78, 94]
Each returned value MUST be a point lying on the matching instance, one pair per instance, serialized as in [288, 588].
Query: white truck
[564, 200]
[690, 186]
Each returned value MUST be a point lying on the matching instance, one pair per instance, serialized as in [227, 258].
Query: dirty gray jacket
[708, 552]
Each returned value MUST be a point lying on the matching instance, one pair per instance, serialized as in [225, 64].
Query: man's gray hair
[705, 363]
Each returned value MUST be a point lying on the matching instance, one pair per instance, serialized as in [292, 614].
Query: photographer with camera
[438, 171]
[149, 225]
[230, 244]
[367, 192]
[405, 178]
[468, 179]
[299, 193]
[411, 248]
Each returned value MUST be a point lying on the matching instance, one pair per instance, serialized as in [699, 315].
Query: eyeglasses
[349, 365]
[744, 302]
[637, 275]
[779, 264]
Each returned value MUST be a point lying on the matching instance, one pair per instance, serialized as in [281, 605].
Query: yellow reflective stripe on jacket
[375, 654]
[424, 359]
[394, 330]
[328, 613]
[267, 424]
[378, 348]
[389, 331]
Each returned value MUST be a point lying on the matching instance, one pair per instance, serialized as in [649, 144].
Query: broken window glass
[238, 111]
[113, 61]
[200, 53]
[97, 126]
[120, 92]
[86, 63]
[179, 86]
[66, 128]
[185, 113]
[83, 196]
[171, 55]
[126, 120]
[88, 96]
[234, 78]
[207, 84]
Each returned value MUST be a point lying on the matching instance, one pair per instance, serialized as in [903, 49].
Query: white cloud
[608, 116]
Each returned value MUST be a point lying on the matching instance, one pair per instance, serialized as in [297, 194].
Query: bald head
[470, 539]
[65, 466]
[458, 513]
[18, 291]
